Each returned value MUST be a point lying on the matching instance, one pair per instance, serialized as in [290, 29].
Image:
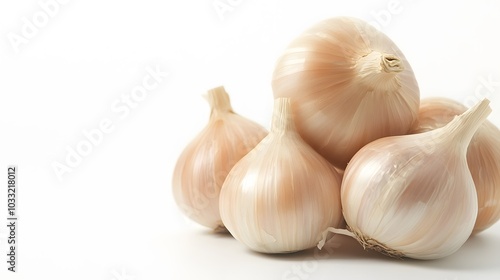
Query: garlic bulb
[413, 195]
[349, 85]
[483, 155]
[282, 195]
[205, 162]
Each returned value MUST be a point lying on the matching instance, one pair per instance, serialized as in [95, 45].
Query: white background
[113, 216]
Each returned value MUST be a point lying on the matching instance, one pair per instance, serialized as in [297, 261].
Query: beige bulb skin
[483, 155]
[413, 196]
[349, 85]
[204, 164]
[282, 195]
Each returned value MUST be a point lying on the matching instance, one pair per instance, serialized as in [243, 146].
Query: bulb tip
[217, 90]
[218, 99]
[391, 63]
[464, 126]
[484, 103]
[482, 108]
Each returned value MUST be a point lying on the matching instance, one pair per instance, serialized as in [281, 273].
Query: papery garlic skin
[349, 85]
[282, 195]
[204, 164]
[483, 155]
[413, 195]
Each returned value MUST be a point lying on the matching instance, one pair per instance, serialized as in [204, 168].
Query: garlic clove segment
[349, 84]
[282, 195]
[413, 195]
[483, 155]
[204, 164]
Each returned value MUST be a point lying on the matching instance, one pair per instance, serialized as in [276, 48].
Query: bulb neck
[219, 101]
[379, 70]
[463, 127]
[282, 120]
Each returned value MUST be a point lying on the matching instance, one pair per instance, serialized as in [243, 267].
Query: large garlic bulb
[413, 195]
[205, 162]
[349, 85]
[483, 155]
[282, 195]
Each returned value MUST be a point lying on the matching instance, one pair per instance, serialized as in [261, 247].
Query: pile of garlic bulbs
[351, 145]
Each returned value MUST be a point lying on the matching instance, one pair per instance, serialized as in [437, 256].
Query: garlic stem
[391, 63]
[282, 118]
[219, 101]
[378, 70]
[463, 127]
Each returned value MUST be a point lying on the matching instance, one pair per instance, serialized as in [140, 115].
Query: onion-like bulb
[349, 85]
[413, 195]
[483, 155]
[283, 195]
[204, 164]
